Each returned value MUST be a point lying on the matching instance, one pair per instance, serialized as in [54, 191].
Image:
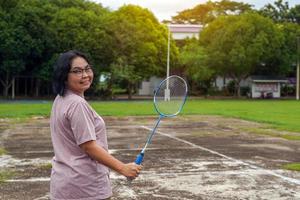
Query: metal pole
[298, 70]
[167, 91]
[168, 58]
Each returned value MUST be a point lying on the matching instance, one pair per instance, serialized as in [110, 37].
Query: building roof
[268, 79]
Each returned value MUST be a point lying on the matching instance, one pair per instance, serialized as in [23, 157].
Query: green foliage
[132, 41]
[2, 151]
[5, 175]
[15, 44]
[287, 58]
[192, 57]
[231, 87]
[85, 30]
[279, 12]
[245, 91]
[235, 45]
[139, 45]
[46, 166]
[288, 90]
[283, 62]
[292, 166]
[267, 131]
[206, 13]
[35, 32]
[295, 14]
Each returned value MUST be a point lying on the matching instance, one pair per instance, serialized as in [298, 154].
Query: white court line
[288, 179]
[46, 197]
[40, 179]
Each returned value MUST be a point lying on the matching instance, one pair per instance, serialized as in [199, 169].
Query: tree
[236, 45]
[205, 13]
[36, 18]
[125, 73]
[140, 44]
[287, 58]
[295, 14]
[35, 32]
[80, 29]
[192, 57]
[15, 43]
[82, 26]
[281, 12]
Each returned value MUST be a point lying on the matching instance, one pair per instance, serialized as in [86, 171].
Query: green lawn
[292, 166]
[281, 114]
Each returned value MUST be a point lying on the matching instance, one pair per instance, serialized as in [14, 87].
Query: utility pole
[168, 54]
[167, 91]
[298, 70]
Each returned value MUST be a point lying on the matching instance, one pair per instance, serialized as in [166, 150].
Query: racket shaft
[139, 159]
[152, 132]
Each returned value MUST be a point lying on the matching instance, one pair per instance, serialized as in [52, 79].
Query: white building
[266, 87]
[183, 31]
[148, 87]
[221, 82]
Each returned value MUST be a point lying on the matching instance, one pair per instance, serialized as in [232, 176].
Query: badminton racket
[169, 99]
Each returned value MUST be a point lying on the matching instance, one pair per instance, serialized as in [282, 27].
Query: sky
[164, 9]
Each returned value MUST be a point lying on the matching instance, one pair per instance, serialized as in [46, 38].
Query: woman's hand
[131, 170]
[96, 152]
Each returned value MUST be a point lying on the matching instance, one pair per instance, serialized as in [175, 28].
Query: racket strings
[170, 96]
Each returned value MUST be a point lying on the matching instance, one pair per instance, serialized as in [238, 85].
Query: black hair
[62, 68]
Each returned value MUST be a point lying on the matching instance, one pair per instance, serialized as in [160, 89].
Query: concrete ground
[191, 157]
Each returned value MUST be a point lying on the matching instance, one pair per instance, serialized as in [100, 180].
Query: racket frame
[140, 156]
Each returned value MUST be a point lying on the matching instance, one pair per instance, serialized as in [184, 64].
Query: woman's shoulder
[74, 100]
[75, 104]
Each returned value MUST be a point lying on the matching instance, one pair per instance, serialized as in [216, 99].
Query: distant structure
[148, 87]
[183, 31]
[266, 86]
[179, 32]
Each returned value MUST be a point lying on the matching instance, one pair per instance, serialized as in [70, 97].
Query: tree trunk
[109, 88]
[5, 91]
[238, 88]
[25, 91]
[17, 85]
[129, 90]
[6, 84]
[13, 88]
[37, 87]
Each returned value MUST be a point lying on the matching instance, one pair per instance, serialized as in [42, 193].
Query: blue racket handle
[139, 159]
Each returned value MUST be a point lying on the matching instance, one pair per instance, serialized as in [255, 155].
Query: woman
[81, 159]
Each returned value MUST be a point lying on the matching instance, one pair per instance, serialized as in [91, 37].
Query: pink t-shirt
[74, 174]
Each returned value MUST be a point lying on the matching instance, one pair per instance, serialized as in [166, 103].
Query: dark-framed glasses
[79, 71]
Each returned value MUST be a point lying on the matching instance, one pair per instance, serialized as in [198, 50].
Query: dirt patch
[191, 157]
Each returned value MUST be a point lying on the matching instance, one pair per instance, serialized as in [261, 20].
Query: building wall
[183, 31]
[148, 87]
[266, 87]
[219, 82]
[182, 36]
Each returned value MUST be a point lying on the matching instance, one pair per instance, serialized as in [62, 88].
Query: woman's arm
[130, 170]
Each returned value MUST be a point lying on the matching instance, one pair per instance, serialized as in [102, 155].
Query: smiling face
[80, 76]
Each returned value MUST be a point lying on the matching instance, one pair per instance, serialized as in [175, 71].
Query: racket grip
[139, 159]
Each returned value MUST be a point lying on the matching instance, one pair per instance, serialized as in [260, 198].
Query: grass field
[292, 166]
[280, 114]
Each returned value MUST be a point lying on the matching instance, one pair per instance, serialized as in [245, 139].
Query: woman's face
[80, 76]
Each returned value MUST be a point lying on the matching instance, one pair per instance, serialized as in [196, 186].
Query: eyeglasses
[79, 72]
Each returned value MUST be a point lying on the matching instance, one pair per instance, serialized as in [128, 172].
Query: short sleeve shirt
[74, 174]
